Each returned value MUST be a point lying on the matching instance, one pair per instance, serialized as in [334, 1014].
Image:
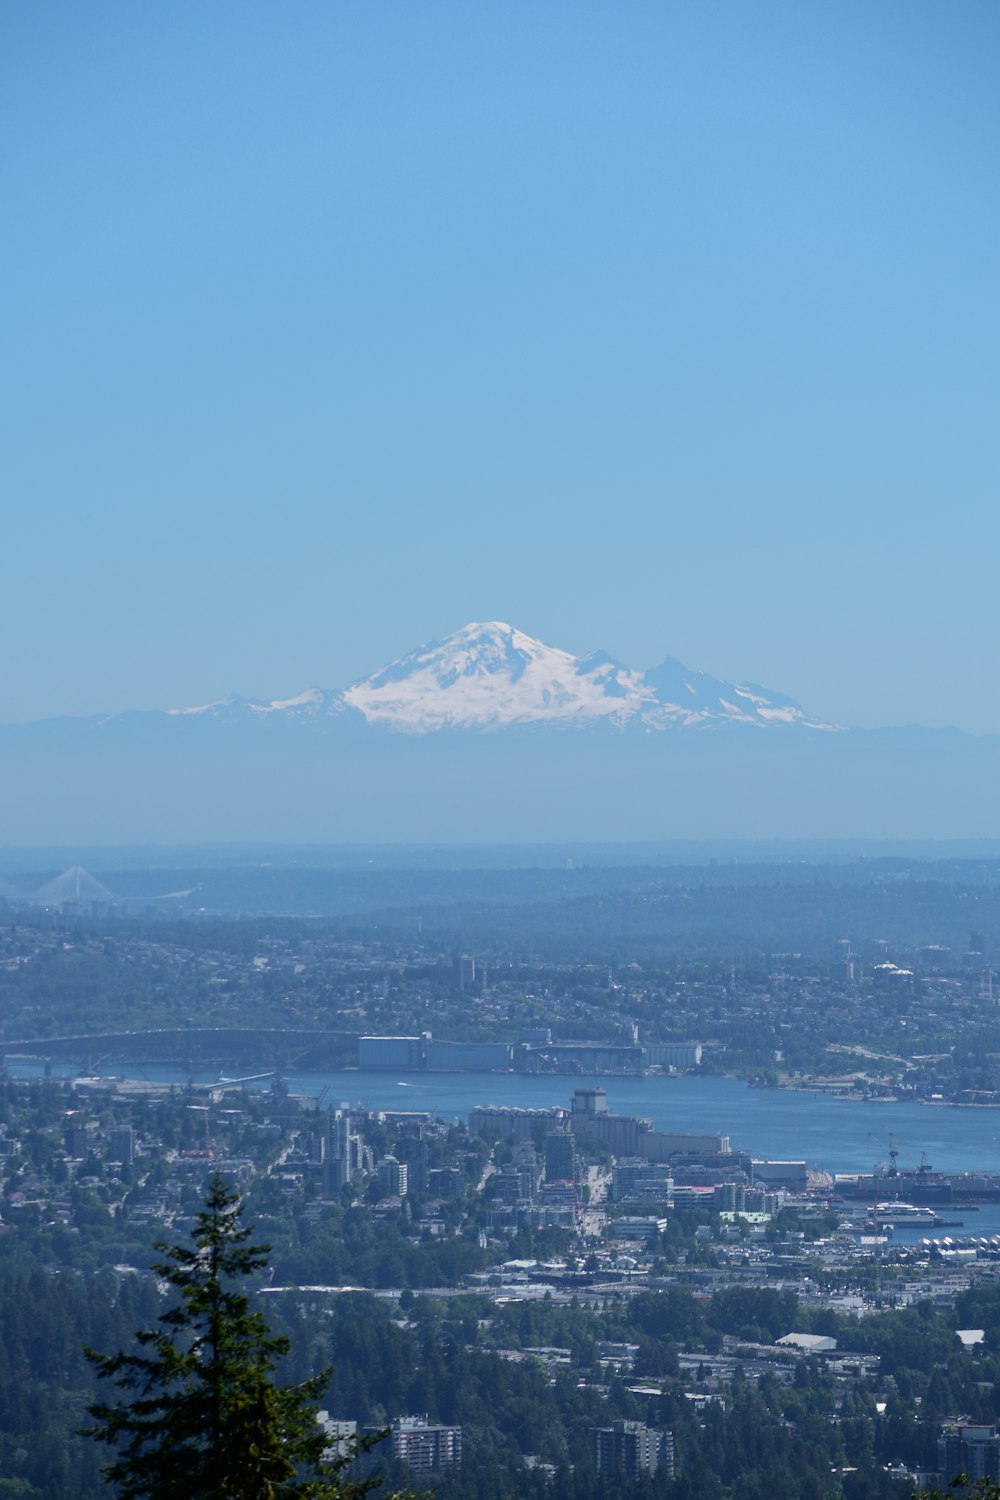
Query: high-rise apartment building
[632, 1448]
[424, 1448]
[393, 1177]
[342, 1147]
[121, 1145]
[972, 1450]
[463, 971]
[560, 1156]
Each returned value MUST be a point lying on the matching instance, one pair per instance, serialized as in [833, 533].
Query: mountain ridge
[490, 676]
[490, 735]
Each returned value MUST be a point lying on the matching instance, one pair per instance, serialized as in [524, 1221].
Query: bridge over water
[196, 1047]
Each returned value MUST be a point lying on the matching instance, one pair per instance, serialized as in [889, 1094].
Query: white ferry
[902, 1213]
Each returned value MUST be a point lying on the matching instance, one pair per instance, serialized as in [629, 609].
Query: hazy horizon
[385, 854]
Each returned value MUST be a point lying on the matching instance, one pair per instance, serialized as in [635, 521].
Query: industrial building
[419, 1054]
[508, 1122]
[467, 1057]
[679, 1055]
[534, 1052]
[628, 1135]
[404, 1053]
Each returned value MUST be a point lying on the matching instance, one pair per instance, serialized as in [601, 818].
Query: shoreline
[139, 1071]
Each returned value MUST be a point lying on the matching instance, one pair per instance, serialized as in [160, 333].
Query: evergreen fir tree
[200, 1416]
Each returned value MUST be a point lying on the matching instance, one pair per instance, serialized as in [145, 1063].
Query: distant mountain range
[490, 736]
[492, 676]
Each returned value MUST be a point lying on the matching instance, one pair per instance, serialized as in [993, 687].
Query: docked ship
[920, 1186]
[898, 1214]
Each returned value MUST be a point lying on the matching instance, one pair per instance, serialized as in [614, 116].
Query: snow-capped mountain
[492, 676]
[313, 703]
[693, 698]
[492, 736]
[488, 676]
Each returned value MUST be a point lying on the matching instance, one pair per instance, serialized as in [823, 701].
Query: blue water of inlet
[836, 1135]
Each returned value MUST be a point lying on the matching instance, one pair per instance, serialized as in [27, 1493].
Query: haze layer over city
[499, 845]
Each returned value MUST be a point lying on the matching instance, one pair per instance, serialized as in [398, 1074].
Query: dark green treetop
[200, 1416]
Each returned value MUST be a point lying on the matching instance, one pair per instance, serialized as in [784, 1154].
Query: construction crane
[899, 1148]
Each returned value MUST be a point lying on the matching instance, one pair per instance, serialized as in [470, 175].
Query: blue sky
[666, 328]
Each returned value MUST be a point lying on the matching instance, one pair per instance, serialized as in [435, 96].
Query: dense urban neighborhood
[644, 1302]
[622, 974]
[549, 1297]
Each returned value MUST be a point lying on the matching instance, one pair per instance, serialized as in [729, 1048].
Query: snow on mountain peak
[489, 675]
[313, 703]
